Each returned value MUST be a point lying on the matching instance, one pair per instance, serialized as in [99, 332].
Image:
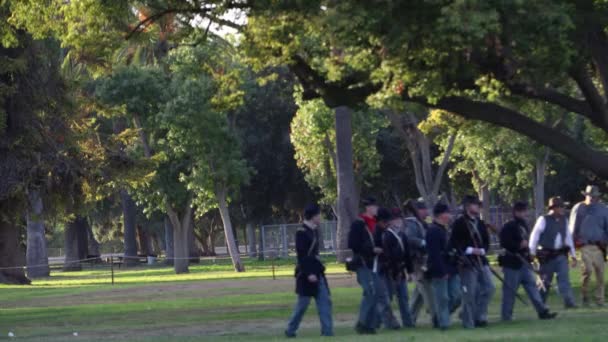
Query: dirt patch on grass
[272, 328]
[168, 291]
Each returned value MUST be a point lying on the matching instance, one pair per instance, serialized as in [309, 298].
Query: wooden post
[274, 277]
[112, 267]
[284, 242]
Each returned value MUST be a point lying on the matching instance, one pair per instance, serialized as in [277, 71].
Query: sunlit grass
[101, 274]
[53, 308]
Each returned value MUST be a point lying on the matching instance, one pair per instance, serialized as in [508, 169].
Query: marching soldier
[471, 241]
[442, 273]
[396, 250]
[361, 242]
[310, 275]
[382, 269]
[589, 228]
[415, 229]
[516, 265]
[551, 243]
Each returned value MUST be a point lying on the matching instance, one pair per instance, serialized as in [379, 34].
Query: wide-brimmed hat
[592, 190]
[556, 202]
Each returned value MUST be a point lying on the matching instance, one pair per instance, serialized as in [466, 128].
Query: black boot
[362, 330]
[481, 324]
[545, 315]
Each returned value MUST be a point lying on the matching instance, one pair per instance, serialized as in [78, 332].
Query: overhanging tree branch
[593, 96]
[594, 160]
[598, 46]
[552, 96]
[334, 94]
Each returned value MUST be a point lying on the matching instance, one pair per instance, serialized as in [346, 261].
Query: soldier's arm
[573, 221]
[539, 227]
[570, 243]
[414, 240]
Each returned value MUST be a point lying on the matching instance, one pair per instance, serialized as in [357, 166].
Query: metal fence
[279, 240]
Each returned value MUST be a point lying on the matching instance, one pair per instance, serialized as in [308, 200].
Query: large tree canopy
[473, 58]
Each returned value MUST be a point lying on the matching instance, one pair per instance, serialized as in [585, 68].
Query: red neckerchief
[369, 221]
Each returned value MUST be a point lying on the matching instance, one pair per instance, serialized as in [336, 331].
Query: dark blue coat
[463, 236]
[511, 236]
[439, 263]
[361, 241]
[396, 255]
[307, 249]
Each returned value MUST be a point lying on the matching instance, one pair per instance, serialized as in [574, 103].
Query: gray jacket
[415, 232]
[589, 223]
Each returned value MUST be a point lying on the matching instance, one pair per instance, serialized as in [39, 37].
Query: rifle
[539, 281]
[517, 295]
[465, 260]
[472, 235]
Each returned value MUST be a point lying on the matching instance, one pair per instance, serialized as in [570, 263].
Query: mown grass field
[212, 303]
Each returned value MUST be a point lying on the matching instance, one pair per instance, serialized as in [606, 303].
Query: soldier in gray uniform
[551, 243]
[415, 228]
[589, 228]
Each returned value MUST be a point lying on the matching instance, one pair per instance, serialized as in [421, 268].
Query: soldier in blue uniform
[310, 275]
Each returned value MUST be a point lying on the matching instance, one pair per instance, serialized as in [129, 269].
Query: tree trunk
[484, 196]
[347, 199]
[155, 244]
[72, 245]
[129, 228]
[211, 239]
[419, 148]
[36, 253]
[193, 250]
[93, 243]
[168, 241]
[180, 241]
[180, 236]
[82, 239]
[145, 241]
[11, 255]
[539, 183]
[251, 240]
[228, 231]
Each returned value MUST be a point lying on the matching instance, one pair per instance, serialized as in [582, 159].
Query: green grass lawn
[212, 303]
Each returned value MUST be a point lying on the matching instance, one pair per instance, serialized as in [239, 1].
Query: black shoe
[362, 330]
[546, 315]
[481, 324]
[288, 335]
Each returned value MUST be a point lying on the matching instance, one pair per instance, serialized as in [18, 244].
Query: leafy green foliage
[313, 136]
[186, 116]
